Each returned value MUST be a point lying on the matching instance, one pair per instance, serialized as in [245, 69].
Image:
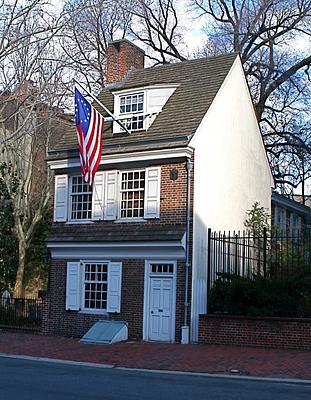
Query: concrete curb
[228, 376]
[56, 361]
[290, 381]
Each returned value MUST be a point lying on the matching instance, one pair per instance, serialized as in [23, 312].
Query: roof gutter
[74, 152]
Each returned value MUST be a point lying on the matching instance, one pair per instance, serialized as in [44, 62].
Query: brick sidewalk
[195, 358]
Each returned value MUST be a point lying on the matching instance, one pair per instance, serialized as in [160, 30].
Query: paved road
[32, 380]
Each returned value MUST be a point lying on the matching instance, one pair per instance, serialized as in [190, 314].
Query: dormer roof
[197, 83]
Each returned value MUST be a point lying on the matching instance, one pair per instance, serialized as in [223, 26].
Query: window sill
[94, 312]
[123, 133]
[80, 222]
[129, 220]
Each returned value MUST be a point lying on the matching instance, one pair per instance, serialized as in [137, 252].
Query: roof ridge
[199, 81]
[194, 60]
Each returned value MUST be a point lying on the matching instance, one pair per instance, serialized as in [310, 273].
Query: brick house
[134, 247]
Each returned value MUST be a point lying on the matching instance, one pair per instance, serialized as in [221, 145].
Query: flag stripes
[89, 125]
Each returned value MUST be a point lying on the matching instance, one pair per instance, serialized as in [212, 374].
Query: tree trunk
[18, 287]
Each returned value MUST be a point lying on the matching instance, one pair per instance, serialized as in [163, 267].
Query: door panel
[161, 309]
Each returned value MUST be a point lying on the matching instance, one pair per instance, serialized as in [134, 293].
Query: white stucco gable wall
[231, 172]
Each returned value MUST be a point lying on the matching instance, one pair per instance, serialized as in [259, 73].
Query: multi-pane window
[81, 199]
[133, 105]
[132, 194]
[162, 268]
[135, 123]
[95, 286]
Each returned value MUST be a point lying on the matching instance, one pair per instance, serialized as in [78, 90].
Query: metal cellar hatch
[106, 332]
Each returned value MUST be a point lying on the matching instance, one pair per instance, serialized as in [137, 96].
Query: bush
[258, 296]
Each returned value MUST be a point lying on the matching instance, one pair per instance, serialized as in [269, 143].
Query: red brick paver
[196, 358]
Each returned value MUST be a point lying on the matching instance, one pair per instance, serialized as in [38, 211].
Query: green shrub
[289, 296]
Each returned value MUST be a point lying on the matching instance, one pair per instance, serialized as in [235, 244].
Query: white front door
[161, 309]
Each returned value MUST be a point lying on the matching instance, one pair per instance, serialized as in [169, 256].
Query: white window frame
[117, 217]
[166, 273]
[120, 195]
[70, 219]
[83, 308]
[129, 115]
[139, 93]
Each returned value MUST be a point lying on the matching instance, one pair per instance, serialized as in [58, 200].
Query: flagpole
[104, 107]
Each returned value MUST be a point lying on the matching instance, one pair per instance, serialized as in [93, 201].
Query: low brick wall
[290, 333]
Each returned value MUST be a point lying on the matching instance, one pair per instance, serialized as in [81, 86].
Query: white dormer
[138, 108]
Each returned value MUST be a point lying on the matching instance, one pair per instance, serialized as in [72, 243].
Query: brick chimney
[122, 55]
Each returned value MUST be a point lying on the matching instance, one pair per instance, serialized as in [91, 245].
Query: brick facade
[291, 333]
[172, 201]
[57, 320]
[73, 323]
[122, 55]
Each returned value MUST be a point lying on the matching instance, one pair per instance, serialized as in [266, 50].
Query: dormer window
[135, 123]
[132, 103]
[132, 111]
[138, 108]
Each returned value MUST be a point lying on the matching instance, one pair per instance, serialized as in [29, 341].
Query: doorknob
[151, 312]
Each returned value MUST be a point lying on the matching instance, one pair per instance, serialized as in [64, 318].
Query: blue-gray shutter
[73, 286]
[60, 198]
[152, 192]
[111, 195]
[114, 287]
[98, 196]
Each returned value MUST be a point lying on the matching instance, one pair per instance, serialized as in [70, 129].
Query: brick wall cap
[246, 317]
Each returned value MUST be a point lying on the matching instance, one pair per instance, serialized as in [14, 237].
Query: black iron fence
[21, 313]
[267, 254]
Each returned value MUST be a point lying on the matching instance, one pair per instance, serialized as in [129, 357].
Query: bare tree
[266, 34]
[90, 25]
[31, 75]
[156, 24]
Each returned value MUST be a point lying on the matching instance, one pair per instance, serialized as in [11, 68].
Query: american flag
[90, 125]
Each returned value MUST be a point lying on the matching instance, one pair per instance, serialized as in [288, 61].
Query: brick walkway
[195, 358]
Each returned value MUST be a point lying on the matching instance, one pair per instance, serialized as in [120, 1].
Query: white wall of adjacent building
[231, 173]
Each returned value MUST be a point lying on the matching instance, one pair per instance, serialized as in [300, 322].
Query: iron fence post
[209, 234]
[264, 252]
[236, 255]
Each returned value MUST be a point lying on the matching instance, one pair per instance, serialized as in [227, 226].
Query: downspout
[185, 328]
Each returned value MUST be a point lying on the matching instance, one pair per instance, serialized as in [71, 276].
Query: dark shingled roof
[198, 82]
[116, 233]
[295, 206]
